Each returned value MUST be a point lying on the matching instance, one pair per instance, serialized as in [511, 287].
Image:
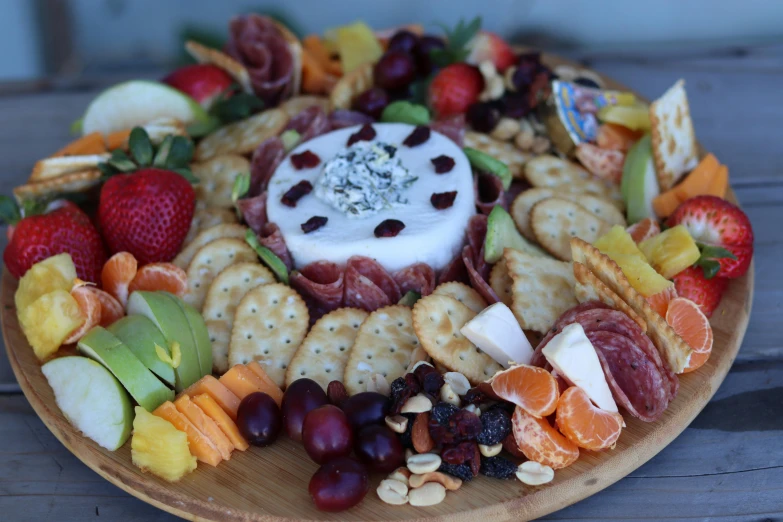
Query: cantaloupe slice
[117, 139]
[200, 445]
[242, 382]
[221, 418]
[665, 204]
[86, 145]
[217, 390]
[720, 183]
[270, 388]
[709, 177]
[205, 425]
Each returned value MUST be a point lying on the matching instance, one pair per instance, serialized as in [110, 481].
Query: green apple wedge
[91, 399]
[141, 335]
[200, 334]
[171, 320]
[146, 389]
[137, 102]
[639, 184]
[502, 233]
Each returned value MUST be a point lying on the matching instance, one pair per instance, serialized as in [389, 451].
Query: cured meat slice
[266, 158]
[477, 280]
[368, 285]
[453, 127]
[419, 277]
[517, 187]
[271, 237]
[564, 320]
[342, 118]
[257, 43]
[454, 271]
[309, 123]
[477, 231]
[636, 382]
[254, 211]
[321, 285]
[488, 192]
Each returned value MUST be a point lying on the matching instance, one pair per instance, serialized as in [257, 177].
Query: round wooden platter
[270, 484]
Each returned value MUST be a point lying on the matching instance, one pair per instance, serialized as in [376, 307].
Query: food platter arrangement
[385, 273]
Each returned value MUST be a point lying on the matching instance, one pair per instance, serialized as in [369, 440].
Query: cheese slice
[573, 356]
[496, 332]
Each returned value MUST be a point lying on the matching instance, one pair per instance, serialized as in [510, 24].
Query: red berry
[146, 213]
[454, 89]
[202, 82]
[707, 293]
[491, 47]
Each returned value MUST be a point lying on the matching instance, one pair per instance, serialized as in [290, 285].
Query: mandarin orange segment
[584, 424]
[660, 301]
[111, 309]
[531, 388]
[160, 276]
[644, 230]
[542, 443]
[117, 274]
[690, 323]
[90, 306]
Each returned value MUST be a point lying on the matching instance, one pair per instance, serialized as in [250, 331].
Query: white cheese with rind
[497, 333]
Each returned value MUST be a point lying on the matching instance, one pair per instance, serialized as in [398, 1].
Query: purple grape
[404, 41]
[372, 102]
[300, 398]
[426, 44]
[339, 484]
[258, 419]
[379, 448]
[326, 434]
[366, 408]
[483, 117]
[394, 70]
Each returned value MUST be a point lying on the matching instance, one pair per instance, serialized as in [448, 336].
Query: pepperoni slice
[254, 211]
[321, 285]
[309, 123]
[419, 277]
[266, 158]
[368, 285]
[271, 237]
[488, 191]
[477, 279]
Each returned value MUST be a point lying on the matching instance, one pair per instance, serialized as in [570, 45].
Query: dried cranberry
[442, 164]
[463, 453]
[430, 378]
[336, 393]
[403, 389]
[443, 200]
[314, 223]
[389, 228]
[475, 396]
[465, 425]
[413, 382]
[419, 135]
[305, 160]
[483, 116]
[296, 193]
[366, 133]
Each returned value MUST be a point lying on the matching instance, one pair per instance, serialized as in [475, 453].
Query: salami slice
[309, 123]
[271, 237]
[453, 127]
[419, 277]
[368, 285]
[266, 158]
[488, 192]
[636, 382]
[321, 285]
[254, 211]
[257, 43]
[477, 231]
[454, 271]
[567, 318]
[477, 280]
[517, 187]
[342, 118]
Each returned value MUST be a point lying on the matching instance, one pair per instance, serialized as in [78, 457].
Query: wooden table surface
[727, 465]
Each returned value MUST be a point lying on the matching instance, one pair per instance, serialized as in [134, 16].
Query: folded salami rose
[488, 191]
[454, 271]
[266, 158]
[257, 43]
[309, 123]
[368, 285]
[321, 286]
[253, 211]
[419, 277]
[477, 280]
[271, 237]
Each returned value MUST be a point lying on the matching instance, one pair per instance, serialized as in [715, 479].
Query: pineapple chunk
[160, 448]
[49, 320]
[671, 251]
[619, 241]
[642, 277]
[53, 273]
[356, 44]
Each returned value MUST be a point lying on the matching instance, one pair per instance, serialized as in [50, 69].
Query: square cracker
[269, 325]
[552, 172]
[216, 179]
[500, 281]
[242, 137]
[672, 348]
[589, 288]
[503, 151]
[555, 221]
[204, 54]
[71, 183]
[674, 147]
[350, 86]
[437, 320]
[324, 353]
[209, 261]
[223, 296]
[463, 293]
[542, 289]
[384, 344]
[208, 235]
[51, 168]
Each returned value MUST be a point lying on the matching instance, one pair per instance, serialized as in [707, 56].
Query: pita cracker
[71, 183]
[50, 168]
[671, 346]
[503, 151]
[674, 146]
[204, 54]
[555, 221]
[351, 85]
[216, 179]
[589, 287]
[242, 137]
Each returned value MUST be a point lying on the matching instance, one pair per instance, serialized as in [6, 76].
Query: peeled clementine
[644, 229]
[660, 301]
[532, 389]
[584, 424]
[540, 442]
[91, 309]
[690, 323]
[117, 274]
[160, 276]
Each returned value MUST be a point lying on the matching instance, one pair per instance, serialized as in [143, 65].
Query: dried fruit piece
[443, 200]
[419, 135]
[497, 467]
[314, 223]
[389, 228]
[366, 133]
[496, 425]
[295, 193]
[305, 160]
[443, 164]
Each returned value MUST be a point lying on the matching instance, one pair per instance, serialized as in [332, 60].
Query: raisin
[432, 383]
[296, 193]
[336, 393]
[442, 164]
[498, 467]
[419, 135]
[475, 396]
[305, 160]
[402, 389]
[441, 413]
[496, 425]
[443, 200]
[465, 425]
[314, 223]
[389, 228]
[366, 133]
[397, 388]
[461, 471]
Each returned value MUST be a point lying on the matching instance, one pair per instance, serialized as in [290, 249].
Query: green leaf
[715, 252]
[457, 41]
[405, 112]
[187, 174]
[269, 258]
[484, 162]
[419, 90]
[202, 128]
[290, 139]
[162, 155]
[120, 161]
[9, 210]
[181, 153]
[140, 146]
[241, 186]
[107, 170]
[409, 299]
[238, 107]
[709, 267]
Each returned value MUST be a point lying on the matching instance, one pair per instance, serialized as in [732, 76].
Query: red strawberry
[489, 46]
[715, 222]
[146, 213]
[202, 82]
[707, 293]
[454, 89]
[65, 229]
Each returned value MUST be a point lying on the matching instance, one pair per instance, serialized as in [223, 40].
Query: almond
[420, 434]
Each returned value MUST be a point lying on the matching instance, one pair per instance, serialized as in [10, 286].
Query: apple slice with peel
[129, 104]
[198, 328]
[91, 399]
[141, 335]
[639, 184]
[171, 320]
[144, 387]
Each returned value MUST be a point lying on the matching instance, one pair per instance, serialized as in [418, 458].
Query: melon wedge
[270, 387]
[217, 390]
[221, 418]
[205, 425]
[200, 445]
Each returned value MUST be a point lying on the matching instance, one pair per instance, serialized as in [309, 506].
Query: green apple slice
[171, 320]
[141, 335]
[502, 233]
[130, 104]
[198, 328]
[639, 185]
[91, 399]
[144, 387]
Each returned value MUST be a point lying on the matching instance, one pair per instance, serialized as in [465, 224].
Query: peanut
[378, 383]
[534, 474]
[393, 492]
[423, 463]
[402, 474]
[447, 481]
[458, 382]
[524, 140]
[490, 451]
[506, 129]
[447, 394]
[472, 408]
[417, 404]
[541, 144]
[397, 423]
[429, 494]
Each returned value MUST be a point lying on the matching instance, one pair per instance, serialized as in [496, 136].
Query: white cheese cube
[496, 331]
